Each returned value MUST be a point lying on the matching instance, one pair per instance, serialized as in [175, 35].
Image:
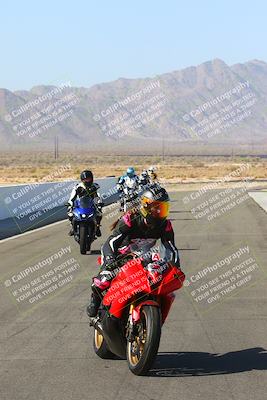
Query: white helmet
[144, 173]
[151, 170]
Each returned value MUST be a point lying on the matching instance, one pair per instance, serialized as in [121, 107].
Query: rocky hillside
[212, 105]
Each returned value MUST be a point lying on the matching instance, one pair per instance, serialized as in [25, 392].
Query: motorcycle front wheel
[90, 235]
[83, 238]
[142, 352]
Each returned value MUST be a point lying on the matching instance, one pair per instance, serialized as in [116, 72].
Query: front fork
[76, 226]
[133, 327]
[131, 330]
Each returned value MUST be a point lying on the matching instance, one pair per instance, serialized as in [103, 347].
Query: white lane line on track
[32, 231]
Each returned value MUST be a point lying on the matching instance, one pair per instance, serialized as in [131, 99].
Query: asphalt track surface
[46, 350]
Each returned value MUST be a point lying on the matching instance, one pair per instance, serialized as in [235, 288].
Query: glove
[106, 275]
[70, 211]
[102, 280]
[157, 266]
[99, 206]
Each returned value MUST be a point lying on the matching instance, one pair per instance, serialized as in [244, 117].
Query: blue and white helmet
[130, 172]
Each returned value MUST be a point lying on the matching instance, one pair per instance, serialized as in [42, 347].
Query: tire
[100, 346]
[89, 237]
[83, 238]
[151, 320]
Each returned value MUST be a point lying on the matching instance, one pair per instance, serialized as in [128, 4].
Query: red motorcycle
[133, 310]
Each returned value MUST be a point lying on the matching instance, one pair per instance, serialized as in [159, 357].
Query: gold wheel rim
[98, 339]
[134, 358]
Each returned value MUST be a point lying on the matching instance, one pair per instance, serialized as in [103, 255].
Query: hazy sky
[88, 42]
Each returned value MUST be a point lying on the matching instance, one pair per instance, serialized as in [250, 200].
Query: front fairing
[83, 214]
[134, 281]
[84, 209]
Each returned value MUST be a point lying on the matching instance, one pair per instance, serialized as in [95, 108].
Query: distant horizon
[128, 78]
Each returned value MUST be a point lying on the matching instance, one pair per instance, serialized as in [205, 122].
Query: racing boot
[100, 283]
[93, 306]
[70, 217]
[98, 231]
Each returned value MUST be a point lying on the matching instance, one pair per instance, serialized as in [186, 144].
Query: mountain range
[209, 108]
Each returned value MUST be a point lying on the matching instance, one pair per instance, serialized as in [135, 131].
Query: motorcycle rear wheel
[100, 346]
[142, 352]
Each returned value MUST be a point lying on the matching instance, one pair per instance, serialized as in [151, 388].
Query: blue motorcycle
[84, 222]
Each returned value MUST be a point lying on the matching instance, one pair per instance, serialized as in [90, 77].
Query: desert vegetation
[23, 167]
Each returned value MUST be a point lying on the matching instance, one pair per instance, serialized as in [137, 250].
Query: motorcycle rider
[86, 187]
[141, 228]
[153, 177]
[144, 178]
[129, 181]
